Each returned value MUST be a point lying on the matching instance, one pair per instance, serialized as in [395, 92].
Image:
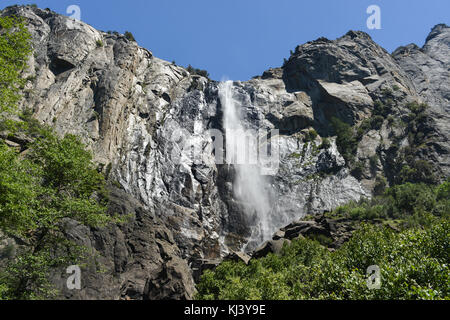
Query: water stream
[251, 188]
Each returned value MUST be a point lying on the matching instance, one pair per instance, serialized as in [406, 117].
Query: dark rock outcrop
[272, 246]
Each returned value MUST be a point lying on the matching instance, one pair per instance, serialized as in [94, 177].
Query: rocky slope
[137, 113]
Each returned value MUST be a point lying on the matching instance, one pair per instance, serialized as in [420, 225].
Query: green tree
[413, 260]
[345, 140]
[196, 71]
[56, 181]
[15, 48]
[129, 36]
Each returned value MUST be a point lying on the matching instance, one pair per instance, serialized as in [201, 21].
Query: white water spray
[251, 188]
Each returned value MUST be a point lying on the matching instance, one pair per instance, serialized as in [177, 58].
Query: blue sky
[239, 39]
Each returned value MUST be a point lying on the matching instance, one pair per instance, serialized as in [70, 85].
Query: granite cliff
[133, 110]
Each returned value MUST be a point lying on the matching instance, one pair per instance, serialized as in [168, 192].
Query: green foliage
[380, 185]
[295, 155]
[321, 238]
[326, 144]
[390, 119]
[416, 107]
[416, 171]
[413, 264]
[376, 122]
[195, 71]
[386, 92]
[358, 169]
[406, 164]
[311, 135]
[15, 48]
[26, 277]
[66, 165]
[345, 140]
[373, 161]
[412, 203]
[129, 36]
[99, 43]
[55, 181]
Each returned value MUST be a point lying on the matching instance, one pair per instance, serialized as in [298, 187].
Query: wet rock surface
[138, 114]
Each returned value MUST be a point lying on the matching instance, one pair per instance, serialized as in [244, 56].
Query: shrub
[386, 92]
[373, 161]
[196, 71]
[311, 135]
[358, 170]
[380, 109]
[416, 107]
[416, 171]
[345, 141]
[55, 181]
[376, 122]
[129, 36]
[390, 119]
[15, 47]
[380, 185]
[413, 265]
[326, 144]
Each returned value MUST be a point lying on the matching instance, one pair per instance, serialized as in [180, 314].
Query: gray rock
[238, 257]
[138, 114]
[272, 246]
[172, 282]
[429, 69]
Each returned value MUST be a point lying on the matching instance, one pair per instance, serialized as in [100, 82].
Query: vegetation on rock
[15, 48]
[198, 72]
[41, 189]
[414, 262]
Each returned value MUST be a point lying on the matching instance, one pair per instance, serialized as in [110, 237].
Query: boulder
[238, 257]
[172, 282]
[272, 246]
[141, 115]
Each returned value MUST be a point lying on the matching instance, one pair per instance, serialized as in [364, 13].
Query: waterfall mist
[251, 188]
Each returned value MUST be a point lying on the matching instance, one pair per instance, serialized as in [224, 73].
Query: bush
[381, 109]
[376, 122]
[413, 262]
[380, 185]
[345, 141]
[15, 47]
[358, 170]
[390, 119]
[55, 181]
[129, 36]
[311, 135]
[195, 71]
[416, 107]
[417, 171]
[413, 265]
[326, 144]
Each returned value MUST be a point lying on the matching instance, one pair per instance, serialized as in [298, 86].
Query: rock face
[331, 233]
[429, 69]
[138, 113]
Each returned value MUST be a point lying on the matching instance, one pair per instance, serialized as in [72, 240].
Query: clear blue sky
[241, 38]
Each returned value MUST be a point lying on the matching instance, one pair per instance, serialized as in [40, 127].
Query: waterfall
[251, 189]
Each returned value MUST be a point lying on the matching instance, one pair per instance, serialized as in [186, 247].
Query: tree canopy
[15, 49]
